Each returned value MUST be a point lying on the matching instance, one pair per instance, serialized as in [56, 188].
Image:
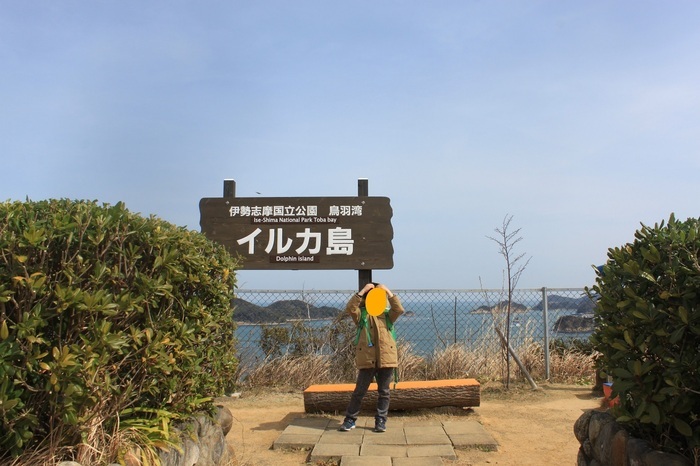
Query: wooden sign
[283, 233]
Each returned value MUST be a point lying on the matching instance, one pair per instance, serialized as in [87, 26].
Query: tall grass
[451, 362]
[291, 371]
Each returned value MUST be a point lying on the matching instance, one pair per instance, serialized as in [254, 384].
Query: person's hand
[388, 291]
[366, 289]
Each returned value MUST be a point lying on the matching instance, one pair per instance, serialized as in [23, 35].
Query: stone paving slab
[304, 430]
[394, 451]
[419, 461]
[333, 451]
[469, 434]
[483, 442]
[353, 437]
[424, 429]
[314, 422]
[295, 442]
[390, 437]
[428, 439]
[442, 451]
[366, 461]
[463, 427]
[422, 423]
[405, 442]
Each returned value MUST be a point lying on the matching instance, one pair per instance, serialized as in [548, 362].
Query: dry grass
[452, 362]
[572, 367]
[566, 366]
[293, 371]
[411, 366]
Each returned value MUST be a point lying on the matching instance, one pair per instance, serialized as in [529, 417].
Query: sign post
[364, 276]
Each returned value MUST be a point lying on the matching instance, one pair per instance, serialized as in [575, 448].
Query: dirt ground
[531, 427]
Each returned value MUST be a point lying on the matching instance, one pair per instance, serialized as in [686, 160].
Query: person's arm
[365, 290]
[395, 306]
[353, 305]
[389, 294]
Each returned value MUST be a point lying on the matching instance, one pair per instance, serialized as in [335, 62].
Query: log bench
[461, 393]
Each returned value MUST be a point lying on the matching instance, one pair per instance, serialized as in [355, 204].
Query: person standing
[376, 355]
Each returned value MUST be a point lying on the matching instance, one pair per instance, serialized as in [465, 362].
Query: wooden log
[408, 395]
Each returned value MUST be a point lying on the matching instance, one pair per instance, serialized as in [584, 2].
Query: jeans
[364, 378]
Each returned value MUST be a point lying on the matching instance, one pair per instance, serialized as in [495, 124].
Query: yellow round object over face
[375, 302]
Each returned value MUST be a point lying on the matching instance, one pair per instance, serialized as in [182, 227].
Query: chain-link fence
[434, 319]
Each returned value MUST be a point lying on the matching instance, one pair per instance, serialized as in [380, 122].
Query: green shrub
[648, 331]
[296, 339]
[562, 346]
[106, 314]
[273, 340]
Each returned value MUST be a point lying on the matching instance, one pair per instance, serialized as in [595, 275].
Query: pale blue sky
[579, 118]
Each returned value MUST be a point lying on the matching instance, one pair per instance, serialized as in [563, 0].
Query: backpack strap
[363, 324]
[392, 330]
[390, 325]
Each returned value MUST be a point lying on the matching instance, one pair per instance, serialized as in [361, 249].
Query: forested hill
[280, 311]
[583, 305]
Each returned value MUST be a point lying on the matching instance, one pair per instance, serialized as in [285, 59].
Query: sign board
[289, 233]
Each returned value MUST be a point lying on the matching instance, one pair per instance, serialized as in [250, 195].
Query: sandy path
[532, 428]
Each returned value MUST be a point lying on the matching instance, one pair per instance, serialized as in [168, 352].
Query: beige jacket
[383, 352]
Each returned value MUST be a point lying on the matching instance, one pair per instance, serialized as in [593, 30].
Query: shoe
[380, 425]
[348, 424]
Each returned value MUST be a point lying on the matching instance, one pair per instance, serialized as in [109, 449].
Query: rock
[636, 449]
[186, 455]
[203, 441]
[581, 426]
[658, 458]
[597, 421]
[618, 447]
[212, 442]
[604, 442]
[581, 459]
[224, 418]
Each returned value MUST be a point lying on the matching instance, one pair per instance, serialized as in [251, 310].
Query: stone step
[406, 442]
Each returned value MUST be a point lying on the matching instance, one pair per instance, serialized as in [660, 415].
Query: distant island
[500, 307]
[280, 311]
[583, 305]
[581, 322]
[575, 323]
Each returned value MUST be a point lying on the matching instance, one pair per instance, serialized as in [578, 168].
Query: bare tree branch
[506, 241]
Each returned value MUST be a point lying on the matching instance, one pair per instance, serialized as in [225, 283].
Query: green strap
[363, 324]
[390, 325]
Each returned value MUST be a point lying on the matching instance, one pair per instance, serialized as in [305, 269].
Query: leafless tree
[515, 266]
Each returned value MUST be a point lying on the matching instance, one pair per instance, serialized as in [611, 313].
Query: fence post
[545, 320]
